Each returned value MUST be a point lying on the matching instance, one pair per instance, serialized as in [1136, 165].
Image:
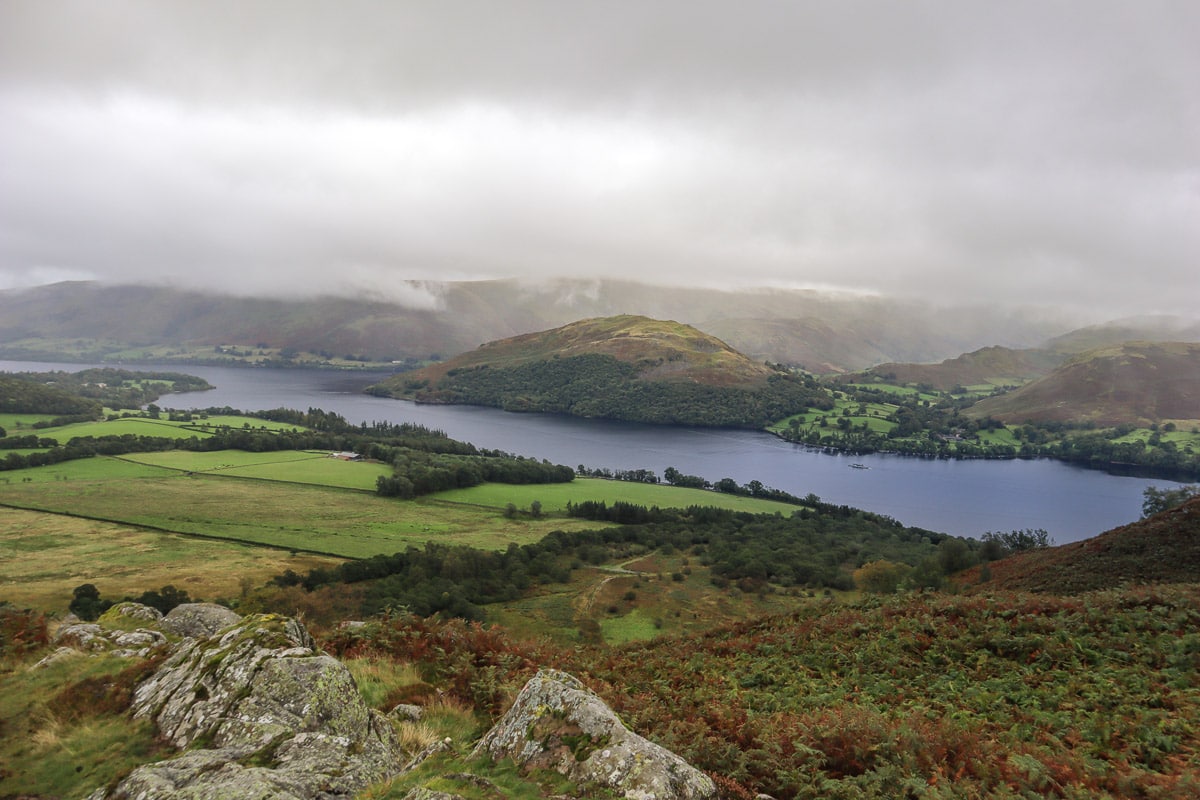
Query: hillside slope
[624, 367]
[824, 332]
[1135, 383]
[1001, 366]
[1160, 328]
[1162, 549]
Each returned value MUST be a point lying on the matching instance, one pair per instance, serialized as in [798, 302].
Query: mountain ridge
[826, 333]
[1131, 383]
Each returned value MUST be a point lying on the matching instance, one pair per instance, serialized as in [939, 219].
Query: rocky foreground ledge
[258, 711]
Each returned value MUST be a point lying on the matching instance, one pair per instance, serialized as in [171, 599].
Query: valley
[829, 650]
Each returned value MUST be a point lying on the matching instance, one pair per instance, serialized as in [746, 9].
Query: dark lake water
[965, 498]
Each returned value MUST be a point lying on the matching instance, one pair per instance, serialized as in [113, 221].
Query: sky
[961, 152]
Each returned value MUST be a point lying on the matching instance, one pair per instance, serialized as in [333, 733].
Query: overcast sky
[958, 151]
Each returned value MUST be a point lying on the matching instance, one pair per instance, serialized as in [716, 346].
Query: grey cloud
[953, 150]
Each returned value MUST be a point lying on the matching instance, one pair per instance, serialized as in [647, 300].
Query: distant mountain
[999, 366]
[824, 333]
[1144, 329]
[1135, 383]
[1162, 549]
[625, 367]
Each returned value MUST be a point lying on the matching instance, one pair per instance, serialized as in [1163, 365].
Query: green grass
[635, 626]
[22, 424]
[554, 496]
[998, 436]
[294, 466]
[92, 470]
[307, 518]
[145, 426]
[875, 417]
[51, 751]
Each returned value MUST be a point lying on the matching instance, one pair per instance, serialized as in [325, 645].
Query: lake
[965, 498]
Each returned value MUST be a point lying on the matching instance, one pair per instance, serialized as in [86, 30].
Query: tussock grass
[378, 677]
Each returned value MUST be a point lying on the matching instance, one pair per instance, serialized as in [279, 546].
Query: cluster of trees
[84, 393]
[23, 393]
[746, 551]
[595, 385]
[419, 473]
[88, 605]
[884, 576]
[1155, 499]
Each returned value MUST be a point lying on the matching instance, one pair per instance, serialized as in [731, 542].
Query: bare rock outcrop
[265, 715]
[557, 723]
[197, 620]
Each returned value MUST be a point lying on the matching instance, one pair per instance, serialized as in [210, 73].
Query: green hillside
[1132, 383]
[625, 367]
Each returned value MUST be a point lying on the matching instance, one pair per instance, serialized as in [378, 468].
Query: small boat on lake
[859, 466]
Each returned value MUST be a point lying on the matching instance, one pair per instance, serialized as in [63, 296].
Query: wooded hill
[626, 367]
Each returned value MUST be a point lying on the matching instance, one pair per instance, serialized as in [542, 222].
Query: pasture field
[43, 557]
[146, 426]
[91, 470]
[317, 519]
[873, 414]
[22, 424]
[293, 466]
[554, 496]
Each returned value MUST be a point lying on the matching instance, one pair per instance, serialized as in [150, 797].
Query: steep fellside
[1136, 383]
[1162, 549]
[990, 365]
[626, 367]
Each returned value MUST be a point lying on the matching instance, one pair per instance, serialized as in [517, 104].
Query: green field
[874, 415]
[146, 426]
[90, 470]
[305, 518]
[43, 557]
[22, 424]
[293, 466]
[554, 496]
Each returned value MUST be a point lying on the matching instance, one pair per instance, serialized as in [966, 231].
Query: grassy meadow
[554, 496]
[200, 427]
[292, 466]
[304, 518]
[43, 557]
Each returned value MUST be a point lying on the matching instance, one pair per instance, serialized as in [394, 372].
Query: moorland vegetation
[807, 650]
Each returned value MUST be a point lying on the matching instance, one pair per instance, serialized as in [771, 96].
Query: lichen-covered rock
[406, 712]
[58, 654]
[421, 793]
[86, 637]
[91, 637]
[197, 620]
[267, 715]
[136, 611]
[557, 723]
